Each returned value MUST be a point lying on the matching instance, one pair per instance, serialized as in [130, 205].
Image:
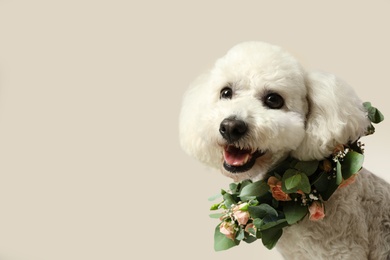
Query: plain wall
[90, 93]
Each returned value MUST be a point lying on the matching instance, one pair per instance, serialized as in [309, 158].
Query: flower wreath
[294, 189]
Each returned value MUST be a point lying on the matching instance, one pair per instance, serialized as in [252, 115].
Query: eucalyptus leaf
[280, 223]
[352, 163]
[251, 230]
[243, 184]
[255, 189]
[270, 219]
[293, 181]
[308, 167]
[221, 242]
[339, 175]
[367, 105]
[374, 114]
[216, 215]
[330, 189]
[321, 182]
[261, 211]
[270, 237]
[228, 200]
[289, 173]
[294, 212]
[233, 187]
[214, 197]
[303, 185]
[240, 234]
[258, 222]
[250, 239]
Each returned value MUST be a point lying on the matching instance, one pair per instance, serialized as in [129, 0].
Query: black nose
[232, 129]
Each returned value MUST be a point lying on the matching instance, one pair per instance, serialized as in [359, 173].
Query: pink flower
[242, 217]
[227, 228]
[276, 188]
[348, 181]
[316, 210]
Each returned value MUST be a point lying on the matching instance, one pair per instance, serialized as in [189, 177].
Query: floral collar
[294, 189]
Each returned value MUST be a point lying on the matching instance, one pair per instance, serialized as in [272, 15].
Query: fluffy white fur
[319, 112]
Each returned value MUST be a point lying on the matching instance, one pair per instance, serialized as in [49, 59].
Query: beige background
[90, 92]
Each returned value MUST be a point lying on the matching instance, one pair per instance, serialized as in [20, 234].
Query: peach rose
[348, 181]
[227, 228]
[276, 188]
[242, 217]
[316, 211]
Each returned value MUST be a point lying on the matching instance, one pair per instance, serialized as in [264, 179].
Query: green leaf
[280, 223]
[251, 230]
[293, 181]
[294, 212]
[243, 184]
[215, 206]
[256, 189]
[261, 211]
[244, 206]
[221, 242]
[216, 215]
[374, 114]
[240, 234]
[289, 173]
[321, 183]
[339, 176]
[303, 185]
[330, 189]
[258, 222]
[253, 202]
[308, 167]
[228, 200]
[270, 237]
[352, 163]
[367, 105]
[270, 219]
[214, 197]
[233, 187]
[250, 239]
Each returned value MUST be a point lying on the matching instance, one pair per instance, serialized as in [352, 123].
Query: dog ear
[196, 122]
[336, 116]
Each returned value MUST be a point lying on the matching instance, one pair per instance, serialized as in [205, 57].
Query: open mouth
[238, 160]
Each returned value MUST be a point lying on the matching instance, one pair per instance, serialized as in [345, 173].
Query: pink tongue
[236, 157]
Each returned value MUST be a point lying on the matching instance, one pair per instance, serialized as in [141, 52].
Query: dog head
[258, 105]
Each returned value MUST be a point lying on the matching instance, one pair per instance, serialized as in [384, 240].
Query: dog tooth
[246, 159]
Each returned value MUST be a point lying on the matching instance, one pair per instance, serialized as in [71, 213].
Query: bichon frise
[258, 106]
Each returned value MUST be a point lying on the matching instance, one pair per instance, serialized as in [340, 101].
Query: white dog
[256, 107]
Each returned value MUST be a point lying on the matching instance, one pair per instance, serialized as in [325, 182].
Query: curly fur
[319, 112]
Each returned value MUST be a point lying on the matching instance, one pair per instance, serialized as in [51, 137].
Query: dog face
[257, 106]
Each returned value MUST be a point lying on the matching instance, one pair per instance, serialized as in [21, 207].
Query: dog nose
[232, 129]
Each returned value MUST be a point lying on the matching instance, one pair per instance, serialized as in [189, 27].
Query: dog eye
[226, 93]
[274, 101]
